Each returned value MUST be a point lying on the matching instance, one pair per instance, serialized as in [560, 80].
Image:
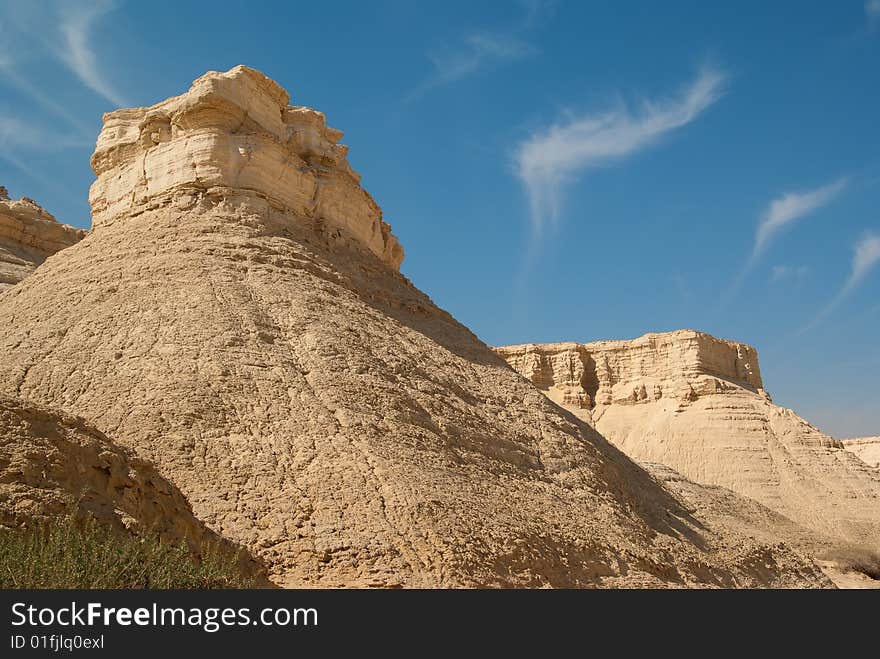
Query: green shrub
[86, 554]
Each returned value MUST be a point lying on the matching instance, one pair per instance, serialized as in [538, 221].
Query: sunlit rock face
[696, 403]
[28, 236]
[234, 135]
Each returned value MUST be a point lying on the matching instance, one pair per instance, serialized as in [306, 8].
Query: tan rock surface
[696, 404]
[53, 464]
[316, 407]
[28, 236]
[234, 130]
[866, 448]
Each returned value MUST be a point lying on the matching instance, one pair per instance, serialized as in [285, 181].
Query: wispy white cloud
[789, 272]
[76, 28]
[481, 50]
[782, 213]
[553, 157]
[8, 71]
[476, 52]
[786, 210]
[16, 133]
[537, 11]
[866, 257]
[872, 9]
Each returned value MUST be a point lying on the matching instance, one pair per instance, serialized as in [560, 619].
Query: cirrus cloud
[553, 157]
[866, 256]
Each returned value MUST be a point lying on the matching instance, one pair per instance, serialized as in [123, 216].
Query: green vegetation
[77, 554]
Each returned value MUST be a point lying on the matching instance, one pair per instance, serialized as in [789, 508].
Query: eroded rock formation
[310, 402]
[28, 236]
[697, 404]
[234, 136]
[683, 365]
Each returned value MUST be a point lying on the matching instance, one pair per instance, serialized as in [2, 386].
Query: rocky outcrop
[696, 404]
[28, 236]
[309, 402]
[232, 137]
[866, 448]
[680, 365]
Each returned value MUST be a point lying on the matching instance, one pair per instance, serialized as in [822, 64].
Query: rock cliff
[28, 236]
[234, 136]
[697, 404]
[681, 365]
[236, 317]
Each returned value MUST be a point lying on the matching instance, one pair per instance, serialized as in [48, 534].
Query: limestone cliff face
[680, 365]
[28, 236]
[697, 404]
[308, 400]
[233, 135]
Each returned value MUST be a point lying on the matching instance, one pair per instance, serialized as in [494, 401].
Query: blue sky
[554, 170]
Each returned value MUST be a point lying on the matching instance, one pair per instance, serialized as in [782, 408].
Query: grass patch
[69, 553]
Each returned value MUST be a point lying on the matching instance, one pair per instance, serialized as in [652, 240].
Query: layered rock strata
[28, 236]
[697, 404]
[233, 135]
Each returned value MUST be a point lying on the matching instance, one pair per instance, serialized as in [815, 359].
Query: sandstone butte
[28, 236]
[696, 404]
[234, 328]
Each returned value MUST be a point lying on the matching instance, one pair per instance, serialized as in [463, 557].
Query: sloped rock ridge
[53, 464]
[28, 236]
[697, 404]
[308, 401]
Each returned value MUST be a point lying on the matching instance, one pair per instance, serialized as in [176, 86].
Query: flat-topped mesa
[234, 134]
[28, 236]
[696, 404]
[681, 365]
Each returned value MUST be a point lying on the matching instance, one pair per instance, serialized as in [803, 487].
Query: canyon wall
[28, 236]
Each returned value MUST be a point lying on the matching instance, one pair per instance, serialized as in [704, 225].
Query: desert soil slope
[53, 464]
[697, 404]
[236, 317]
